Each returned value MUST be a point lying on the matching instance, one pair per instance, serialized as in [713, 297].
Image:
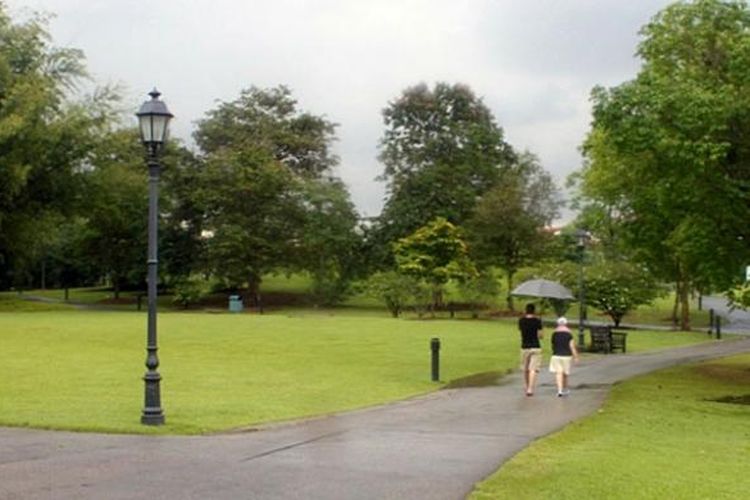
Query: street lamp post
[153, 120]
[582, 237]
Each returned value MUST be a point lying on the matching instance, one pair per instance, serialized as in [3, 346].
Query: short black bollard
[710, 322]
[718, 327]
[435, 348]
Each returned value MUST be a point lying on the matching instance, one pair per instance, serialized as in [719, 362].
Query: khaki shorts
[531, 359]
[559, 364]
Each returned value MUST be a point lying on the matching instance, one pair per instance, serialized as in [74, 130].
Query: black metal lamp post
[582, 237]
[153, 119]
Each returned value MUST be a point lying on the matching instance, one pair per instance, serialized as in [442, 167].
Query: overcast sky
[533, 62]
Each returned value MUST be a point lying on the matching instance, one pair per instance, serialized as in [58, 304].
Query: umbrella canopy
[542, 288]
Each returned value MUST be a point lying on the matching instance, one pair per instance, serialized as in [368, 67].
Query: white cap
[562, 321]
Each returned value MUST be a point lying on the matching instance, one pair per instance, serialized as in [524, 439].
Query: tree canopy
[441, 149]
[268, 193]
[508, 226]
[669, 150]
[45, 138]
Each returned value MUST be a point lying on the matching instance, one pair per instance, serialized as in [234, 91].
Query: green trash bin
[235, 303]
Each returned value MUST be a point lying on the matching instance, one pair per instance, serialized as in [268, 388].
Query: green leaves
[441, 150]
[269, 199]
[668, 156]
[435, 253]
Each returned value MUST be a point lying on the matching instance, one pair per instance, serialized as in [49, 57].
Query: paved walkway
[734, 321]
[433, 447]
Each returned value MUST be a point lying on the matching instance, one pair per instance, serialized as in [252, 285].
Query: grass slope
[658, 436]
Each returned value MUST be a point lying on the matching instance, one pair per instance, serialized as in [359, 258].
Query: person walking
[531, 349]
[563, 352]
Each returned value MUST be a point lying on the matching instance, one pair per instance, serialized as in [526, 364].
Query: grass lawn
[658, 436]
[82, 370]
[10, 302]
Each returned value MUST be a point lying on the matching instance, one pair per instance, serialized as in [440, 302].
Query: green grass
[660, 313]
[658, 436]
[82, 370]
[10, 302]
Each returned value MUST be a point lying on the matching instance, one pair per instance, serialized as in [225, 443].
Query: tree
[435, 253]
[266, 189]
[616, 288]
[182, 248]
[116, 209]
[45, 138]
[395, 290]
[268, 120]
[739, 297]
[669, 150]
[441, 149]
[253, 216]
[507, 228]
[480, 290]
[329, 246]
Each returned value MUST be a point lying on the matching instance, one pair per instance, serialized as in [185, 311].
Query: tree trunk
[44, 274]
[116, 286]
[509, 299]
[253, 289]
[676, 305]
[685, 307]
[437, 298]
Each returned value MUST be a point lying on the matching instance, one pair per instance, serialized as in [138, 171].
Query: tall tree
[330, 245]
[116, 208]
[45, 137]
[507, 228]
[670, 149]
[269, 120]
[266, 185]
[441, 149]
[253, 215]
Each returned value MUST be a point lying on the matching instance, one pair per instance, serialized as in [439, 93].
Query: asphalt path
[734, 321]
[432, 447]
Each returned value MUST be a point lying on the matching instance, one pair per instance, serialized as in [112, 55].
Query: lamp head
[153, 121]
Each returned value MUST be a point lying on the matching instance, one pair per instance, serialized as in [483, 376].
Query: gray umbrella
[542, 288]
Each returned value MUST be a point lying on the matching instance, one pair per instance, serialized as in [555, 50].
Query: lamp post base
[152, 416]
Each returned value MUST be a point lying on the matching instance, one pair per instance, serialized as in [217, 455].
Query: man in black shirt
[531, 350]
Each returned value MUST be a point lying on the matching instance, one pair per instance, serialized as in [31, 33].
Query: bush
[480, 290]
[397, 291]
[189, 291]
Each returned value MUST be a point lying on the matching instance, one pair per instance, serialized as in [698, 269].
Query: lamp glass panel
[144, 123]
[159, 128]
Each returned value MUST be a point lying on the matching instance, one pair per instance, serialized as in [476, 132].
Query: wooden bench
[604, 339]
[619, 341]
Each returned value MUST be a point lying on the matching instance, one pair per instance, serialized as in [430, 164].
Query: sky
[533, 62]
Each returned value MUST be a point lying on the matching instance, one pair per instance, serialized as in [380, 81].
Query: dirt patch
[111, 301]
[735, 400]
[727, 373]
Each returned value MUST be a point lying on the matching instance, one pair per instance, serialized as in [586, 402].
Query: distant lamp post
[153, 120]
[582, 237]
